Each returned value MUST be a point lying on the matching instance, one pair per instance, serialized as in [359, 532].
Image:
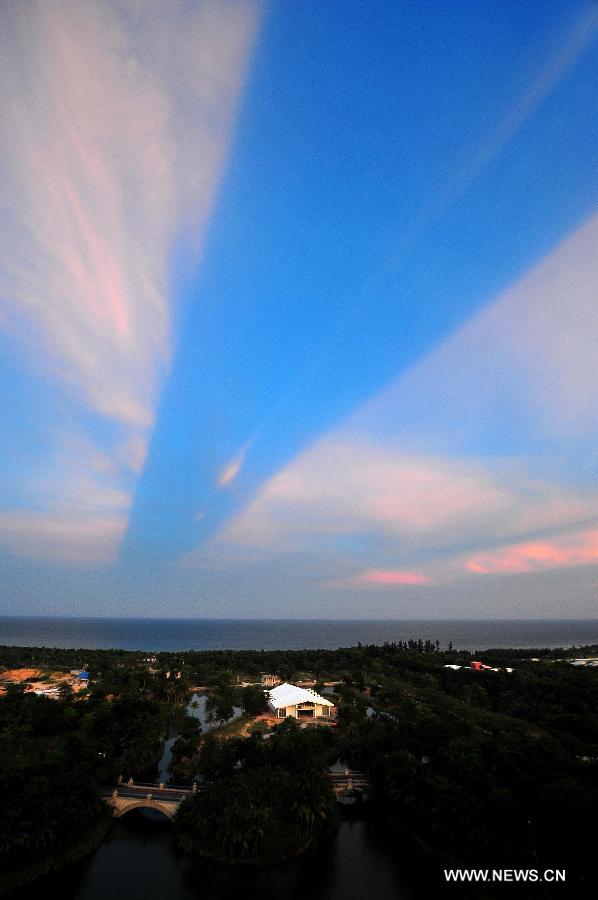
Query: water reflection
[138, 861]
[199, 707]
[351, 866]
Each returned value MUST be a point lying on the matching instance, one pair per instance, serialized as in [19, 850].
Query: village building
[299, 703]
[476, 666]
[269, 681]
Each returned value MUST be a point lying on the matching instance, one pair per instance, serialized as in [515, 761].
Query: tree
[65, 692]
[253, 700]
[312, 802]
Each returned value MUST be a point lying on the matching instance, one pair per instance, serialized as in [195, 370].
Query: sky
[298, 308]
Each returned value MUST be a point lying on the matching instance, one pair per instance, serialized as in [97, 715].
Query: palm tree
[232, 836]
[312, 803]
[257, 828]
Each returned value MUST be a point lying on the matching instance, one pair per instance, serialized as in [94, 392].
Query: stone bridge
[128, 795]
[348, 781]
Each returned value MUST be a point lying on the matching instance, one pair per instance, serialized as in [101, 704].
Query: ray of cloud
[412, 484]
[117, 118]
[577, 39]
[523, 369]
[422, 505]
[284, 386]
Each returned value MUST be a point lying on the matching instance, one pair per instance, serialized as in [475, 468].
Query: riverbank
[75, 852]
[273, 859]
[138, 861]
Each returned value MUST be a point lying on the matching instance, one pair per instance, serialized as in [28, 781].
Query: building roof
[289, 695]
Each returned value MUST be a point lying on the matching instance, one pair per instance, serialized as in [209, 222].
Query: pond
[198, 707]
[138, 861]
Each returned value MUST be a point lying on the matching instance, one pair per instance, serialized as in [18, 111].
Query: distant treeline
[287, 663]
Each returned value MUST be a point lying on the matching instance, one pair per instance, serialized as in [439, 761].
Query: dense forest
[265, 801]
[467, 767]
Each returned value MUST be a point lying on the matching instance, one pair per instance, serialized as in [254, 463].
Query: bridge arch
[166, 809]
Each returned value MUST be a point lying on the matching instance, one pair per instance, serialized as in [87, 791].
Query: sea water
[289, 634]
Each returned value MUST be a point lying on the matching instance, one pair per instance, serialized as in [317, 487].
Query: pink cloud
[343, 486]
[577, 550]
[117, 129]
[233, 467]
[391, 577]
[114, 144]
[404, 474]
[426, 493]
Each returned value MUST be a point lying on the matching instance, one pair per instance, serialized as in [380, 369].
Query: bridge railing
[346, 780]
[134, 785]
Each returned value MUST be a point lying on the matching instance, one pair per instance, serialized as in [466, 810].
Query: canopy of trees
[468, 768]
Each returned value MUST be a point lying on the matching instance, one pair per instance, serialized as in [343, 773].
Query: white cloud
[116, 119]
[528, 359]
[416, 505]
[402, 491]
[76, 511]
[68, 538]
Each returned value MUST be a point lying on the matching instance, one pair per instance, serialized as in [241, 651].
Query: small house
[299, 703]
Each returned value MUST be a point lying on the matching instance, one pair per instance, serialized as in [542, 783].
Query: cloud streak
[232, 468]
[547, 79]
[385, 578]
[76, 511]
[117, 119]
[106, 168]
[569, 550]
[345, 486]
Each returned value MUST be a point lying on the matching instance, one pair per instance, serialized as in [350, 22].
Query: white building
[290, 700]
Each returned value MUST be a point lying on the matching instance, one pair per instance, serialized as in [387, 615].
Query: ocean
[289, 634]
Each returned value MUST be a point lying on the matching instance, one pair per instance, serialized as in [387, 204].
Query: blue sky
[299, 309]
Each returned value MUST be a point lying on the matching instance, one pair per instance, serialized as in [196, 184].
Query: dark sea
[289, 634]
